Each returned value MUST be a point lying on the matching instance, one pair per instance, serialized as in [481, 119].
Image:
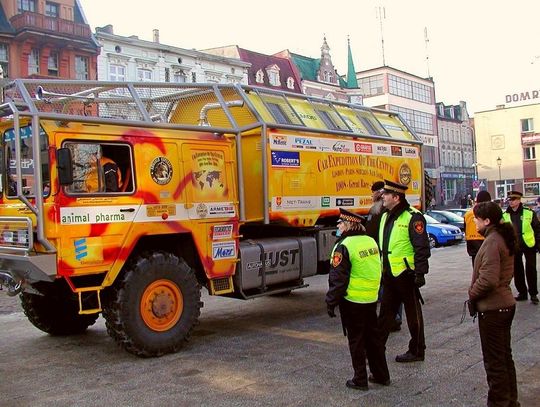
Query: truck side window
[100, 168]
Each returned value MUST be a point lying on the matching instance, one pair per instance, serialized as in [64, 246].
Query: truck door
[97, 210]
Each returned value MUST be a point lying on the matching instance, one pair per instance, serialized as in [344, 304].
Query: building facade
[45, 39]
[320, 78]
[413, 98]
[268, 71]
[506, 141]
[132, 59]
[457, 153]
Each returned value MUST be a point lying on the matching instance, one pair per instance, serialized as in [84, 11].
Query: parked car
[458, 211]
[448, 218]
[442, 234]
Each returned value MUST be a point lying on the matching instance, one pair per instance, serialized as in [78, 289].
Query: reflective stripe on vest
[365, 273]
[399, 243]
[527, 232]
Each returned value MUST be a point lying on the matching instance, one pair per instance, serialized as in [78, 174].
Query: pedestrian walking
[354, 279]
[492, 296]
[473, 238]
[405, 251]
[527, 227]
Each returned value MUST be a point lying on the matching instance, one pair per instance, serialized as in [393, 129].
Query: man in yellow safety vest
[527, 227]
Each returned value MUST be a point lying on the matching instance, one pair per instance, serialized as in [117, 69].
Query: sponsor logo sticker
[202, 210]
[288, 159]
[279, 140]
[397, 151]
[344, 201]
[161, 170]
[405, 174]
[220, 209]
[220, 232]
[325, 201]
[223, 250]
[363, 148]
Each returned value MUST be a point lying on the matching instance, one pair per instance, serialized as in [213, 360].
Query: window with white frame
[259, 76]
[371, 85]
[26, 5]
[33, 62]
[4, 59]
[180, 77]
[290, 83]
[81, 67]
[117, 73]
[144, 75]
[273, 75]
[529, 153]
[52, 64]
[52, 9]
[527, 125]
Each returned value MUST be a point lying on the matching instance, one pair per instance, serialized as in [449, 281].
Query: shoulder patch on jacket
[336, 259]
[418, 227]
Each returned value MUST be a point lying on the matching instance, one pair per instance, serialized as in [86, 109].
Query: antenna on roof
[381, 15]
[426, 40]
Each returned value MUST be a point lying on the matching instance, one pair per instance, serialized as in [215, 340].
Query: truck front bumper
[19, 271]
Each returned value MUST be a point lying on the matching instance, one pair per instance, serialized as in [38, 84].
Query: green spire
[351, 72]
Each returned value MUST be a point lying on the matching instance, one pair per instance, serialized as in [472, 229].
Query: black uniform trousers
[397, 290]
[360, 322]
[529, 272]
[494, 327]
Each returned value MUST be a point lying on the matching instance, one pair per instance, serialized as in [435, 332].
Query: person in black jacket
[353, 281]
[527, 227]
[404, 246]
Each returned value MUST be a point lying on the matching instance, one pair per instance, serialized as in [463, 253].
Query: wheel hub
[161, 305]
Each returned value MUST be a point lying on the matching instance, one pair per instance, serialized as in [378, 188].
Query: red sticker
[336, 259]
[418, 227]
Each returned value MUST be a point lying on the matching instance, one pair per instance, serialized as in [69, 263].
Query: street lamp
[499, 162]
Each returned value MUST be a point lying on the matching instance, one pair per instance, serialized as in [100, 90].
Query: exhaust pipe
[13, 287]
[203, 114]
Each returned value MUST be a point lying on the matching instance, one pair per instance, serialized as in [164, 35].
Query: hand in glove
[419, 280]
[330, 310]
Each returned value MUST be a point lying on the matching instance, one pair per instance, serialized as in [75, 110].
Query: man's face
[514, 203]
[376, 195]
[390, 200]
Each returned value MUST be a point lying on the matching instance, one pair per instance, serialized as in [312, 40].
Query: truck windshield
[9, 164]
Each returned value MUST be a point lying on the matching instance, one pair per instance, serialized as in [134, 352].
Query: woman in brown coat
[491, 293]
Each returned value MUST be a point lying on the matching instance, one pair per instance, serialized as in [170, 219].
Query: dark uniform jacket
[417, 235]
[338, 279]
[515, 217]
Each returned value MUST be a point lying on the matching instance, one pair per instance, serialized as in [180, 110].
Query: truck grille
[16, 233]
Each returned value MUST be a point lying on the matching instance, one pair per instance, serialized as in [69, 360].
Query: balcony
[28, 20]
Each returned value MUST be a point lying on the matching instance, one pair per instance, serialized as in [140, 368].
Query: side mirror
[65, 166]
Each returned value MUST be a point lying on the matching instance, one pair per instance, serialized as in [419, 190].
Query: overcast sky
[479, 51]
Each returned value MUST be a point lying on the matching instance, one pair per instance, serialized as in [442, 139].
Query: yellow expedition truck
[126, 198]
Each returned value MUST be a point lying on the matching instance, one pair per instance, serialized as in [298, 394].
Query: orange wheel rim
[161, 305]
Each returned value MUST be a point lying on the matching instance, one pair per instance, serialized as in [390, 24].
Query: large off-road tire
[152, 310]
[57, 311]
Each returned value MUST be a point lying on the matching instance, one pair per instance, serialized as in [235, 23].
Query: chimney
[155, 35]
[105, 29]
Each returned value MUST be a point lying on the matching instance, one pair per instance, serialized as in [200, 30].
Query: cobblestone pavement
[274, 351]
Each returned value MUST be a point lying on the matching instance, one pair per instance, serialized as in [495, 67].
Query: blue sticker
[285, 159]
[80, 249]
